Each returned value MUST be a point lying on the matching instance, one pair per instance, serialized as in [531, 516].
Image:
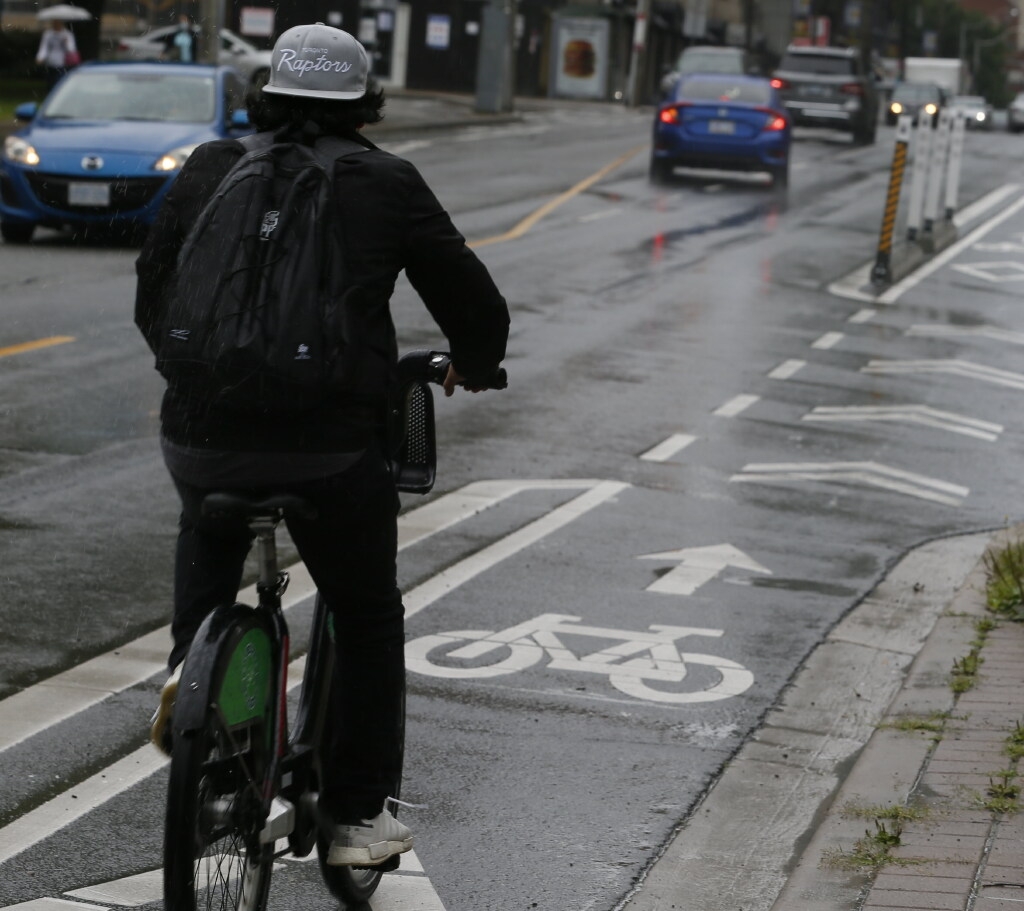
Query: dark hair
[278, 112]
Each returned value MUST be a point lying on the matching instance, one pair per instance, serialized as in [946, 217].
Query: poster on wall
[256, 21]
[580, 59]
[439, 31]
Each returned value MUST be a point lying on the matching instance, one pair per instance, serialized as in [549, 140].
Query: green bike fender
[245, 683]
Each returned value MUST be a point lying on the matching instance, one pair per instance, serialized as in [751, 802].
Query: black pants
[350, 551]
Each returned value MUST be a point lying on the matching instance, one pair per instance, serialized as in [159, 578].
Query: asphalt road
[708, 448]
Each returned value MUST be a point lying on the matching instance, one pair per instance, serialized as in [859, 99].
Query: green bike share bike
[243, 780]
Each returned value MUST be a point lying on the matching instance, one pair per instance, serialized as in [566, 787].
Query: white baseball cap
[318, 61]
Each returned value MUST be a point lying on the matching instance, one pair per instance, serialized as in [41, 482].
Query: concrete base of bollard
[908, 255]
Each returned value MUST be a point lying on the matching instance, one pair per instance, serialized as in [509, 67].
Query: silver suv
[829, 87]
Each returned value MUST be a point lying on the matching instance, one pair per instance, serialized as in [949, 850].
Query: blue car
[724, 122]
[106, 144]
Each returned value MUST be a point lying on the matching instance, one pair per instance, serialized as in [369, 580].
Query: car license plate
[724, 127]
[89, 194]
[813, 91]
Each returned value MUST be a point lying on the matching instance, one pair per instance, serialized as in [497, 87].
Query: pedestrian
[184, 43]
[335, 456]
[57, 52]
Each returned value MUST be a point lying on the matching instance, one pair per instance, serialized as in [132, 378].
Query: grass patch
[1004, 580]
[1015, 743]
[1003, 792]
[965, 671]
[935, 723]
[898, 813]
[871, 852]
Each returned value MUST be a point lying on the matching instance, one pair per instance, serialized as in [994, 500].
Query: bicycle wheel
[216, 802]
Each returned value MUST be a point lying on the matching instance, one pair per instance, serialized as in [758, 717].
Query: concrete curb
[757, 839]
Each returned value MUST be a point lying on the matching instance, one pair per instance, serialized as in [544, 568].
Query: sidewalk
[874, 786]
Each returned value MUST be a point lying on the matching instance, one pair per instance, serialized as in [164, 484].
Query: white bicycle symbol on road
[638, 657]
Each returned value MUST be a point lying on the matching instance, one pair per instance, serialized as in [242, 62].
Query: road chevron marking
[942, 330]
[868, 473]
[951, 366]
[912, 414]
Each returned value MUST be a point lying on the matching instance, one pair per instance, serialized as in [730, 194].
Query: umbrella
[65, 12]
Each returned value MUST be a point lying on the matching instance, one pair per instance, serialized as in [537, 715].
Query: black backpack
[260, 319]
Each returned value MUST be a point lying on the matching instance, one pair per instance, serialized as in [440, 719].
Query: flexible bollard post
[922, 157]
[956, 157]
[881, 273]
[940, 151]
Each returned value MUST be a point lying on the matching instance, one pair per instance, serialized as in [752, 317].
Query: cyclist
[335, 457]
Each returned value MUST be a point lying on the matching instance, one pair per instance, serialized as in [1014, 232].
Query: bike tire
[216, 803]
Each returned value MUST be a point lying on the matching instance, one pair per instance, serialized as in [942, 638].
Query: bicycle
[240, 785]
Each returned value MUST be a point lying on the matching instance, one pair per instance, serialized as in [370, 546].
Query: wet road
[704, 451]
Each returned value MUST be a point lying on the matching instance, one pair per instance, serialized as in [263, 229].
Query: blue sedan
[106, 144]
[725, 123]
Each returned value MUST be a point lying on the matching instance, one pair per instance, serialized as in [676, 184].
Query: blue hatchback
[722, 122]
[106, 144]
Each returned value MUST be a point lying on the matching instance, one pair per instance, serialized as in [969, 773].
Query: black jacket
[391, 221]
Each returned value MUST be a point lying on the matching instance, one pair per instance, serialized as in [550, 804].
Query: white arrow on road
[698, 565]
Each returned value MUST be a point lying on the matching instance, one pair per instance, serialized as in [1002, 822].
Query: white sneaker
[370, 842]
[159, 732]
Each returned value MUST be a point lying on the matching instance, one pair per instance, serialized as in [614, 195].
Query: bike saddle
[223, 504]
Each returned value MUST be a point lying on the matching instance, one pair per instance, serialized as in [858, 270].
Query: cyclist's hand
[453, 379]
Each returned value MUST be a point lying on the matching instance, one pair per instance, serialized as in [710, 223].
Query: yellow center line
[527, 223]
[38, 343]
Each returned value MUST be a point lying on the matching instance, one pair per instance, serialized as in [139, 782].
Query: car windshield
[703, 89]
[969, 101]
[910, 91]
[176, 97]
[692, 61]
[819, 64]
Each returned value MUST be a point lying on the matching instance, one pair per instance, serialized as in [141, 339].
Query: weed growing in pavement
[895, 812]
[965, 671]
[935, 723]
[1015, 742]
[1003, 792]
[1004, 582]
[872, 851]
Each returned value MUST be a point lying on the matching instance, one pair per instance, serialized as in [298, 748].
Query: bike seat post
[266, 551]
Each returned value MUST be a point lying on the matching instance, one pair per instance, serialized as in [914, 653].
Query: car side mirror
[26, 112]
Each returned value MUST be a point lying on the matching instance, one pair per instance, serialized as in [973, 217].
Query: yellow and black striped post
[881, 274]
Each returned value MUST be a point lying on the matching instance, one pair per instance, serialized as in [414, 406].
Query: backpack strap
[329, 149]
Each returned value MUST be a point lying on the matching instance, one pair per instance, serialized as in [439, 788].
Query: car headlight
[930, 108]
[173, 160]
[980, 115]
[896, 107]
[19, 151]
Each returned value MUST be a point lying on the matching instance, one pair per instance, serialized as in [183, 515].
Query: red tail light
[775, 122]
[779, 83]
[670, 114]
[852, 88]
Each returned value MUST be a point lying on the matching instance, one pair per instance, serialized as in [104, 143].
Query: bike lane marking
[406, 887]
[85, 796]
[42, 705]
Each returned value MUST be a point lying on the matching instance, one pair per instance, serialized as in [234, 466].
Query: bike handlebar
[432, 367]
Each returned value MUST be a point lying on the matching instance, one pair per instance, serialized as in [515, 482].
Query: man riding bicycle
[335, 456]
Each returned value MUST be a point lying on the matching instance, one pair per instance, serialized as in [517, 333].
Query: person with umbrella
[58, 51]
